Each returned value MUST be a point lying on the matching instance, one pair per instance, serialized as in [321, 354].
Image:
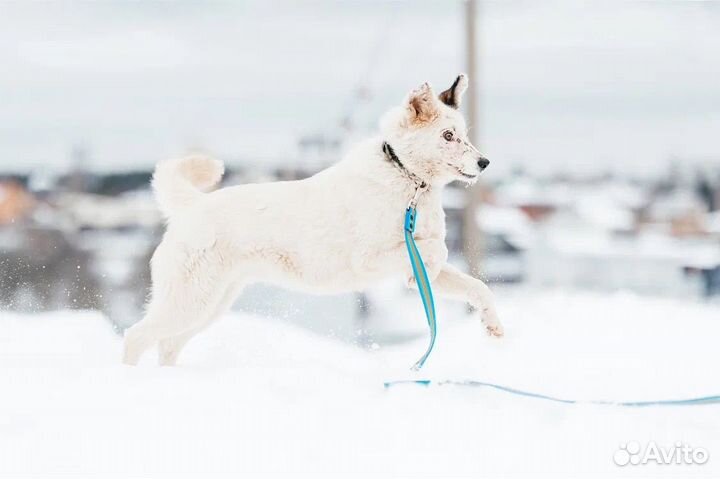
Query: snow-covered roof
[676, 203]
[603, 212]
[137, 208]
[506, 221]
[503, 220]
[712, 222]
[529, 191]
[525, 191]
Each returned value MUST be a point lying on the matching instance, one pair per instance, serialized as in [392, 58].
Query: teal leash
[421, 278]
[418, 267]
[695, 401]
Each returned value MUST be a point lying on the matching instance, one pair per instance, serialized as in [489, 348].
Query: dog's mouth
[468, 178]
[464, 176]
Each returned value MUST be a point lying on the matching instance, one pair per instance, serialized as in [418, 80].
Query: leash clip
[418, 190]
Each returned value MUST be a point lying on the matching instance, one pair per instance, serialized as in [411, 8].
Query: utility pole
[472, 236]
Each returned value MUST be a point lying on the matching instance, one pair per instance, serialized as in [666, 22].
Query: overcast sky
[580, 87]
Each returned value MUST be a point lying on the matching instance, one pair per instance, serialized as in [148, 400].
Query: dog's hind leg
[136, 342]
[167, 318]
[162, 320]
[183, 300]
[169, 348]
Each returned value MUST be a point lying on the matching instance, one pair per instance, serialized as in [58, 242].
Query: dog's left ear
[422, 105]
[452, 96]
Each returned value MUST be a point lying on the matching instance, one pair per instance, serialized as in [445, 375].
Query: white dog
[340, 230]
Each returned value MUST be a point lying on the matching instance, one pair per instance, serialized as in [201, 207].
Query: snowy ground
[259, 396]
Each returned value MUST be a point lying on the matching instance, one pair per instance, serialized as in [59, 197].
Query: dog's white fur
[340, 230]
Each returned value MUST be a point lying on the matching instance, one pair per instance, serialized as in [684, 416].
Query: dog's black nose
[483, 163]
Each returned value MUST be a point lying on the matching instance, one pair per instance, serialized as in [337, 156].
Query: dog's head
[428, 133]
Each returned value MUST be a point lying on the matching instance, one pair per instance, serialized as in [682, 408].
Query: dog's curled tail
[178, 183]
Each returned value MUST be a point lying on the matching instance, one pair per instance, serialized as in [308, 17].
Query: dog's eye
[448, 135]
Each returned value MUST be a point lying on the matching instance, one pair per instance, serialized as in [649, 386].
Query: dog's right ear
[421, 105]
[452, 96]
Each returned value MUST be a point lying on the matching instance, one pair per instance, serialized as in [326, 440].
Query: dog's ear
[453, 95]
[422, 106]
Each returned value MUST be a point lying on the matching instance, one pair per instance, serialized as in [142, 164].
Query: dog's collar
[420, 184]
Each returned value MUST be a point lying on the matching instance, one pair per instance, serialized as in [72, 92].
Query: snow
[257, 396]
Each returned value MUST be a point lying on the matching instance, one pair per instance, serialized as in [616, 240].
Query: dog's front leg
[453, 283]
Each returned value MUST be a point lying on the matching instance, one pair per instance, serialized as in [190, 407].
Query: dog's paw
[495, 330]
[492, 325]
